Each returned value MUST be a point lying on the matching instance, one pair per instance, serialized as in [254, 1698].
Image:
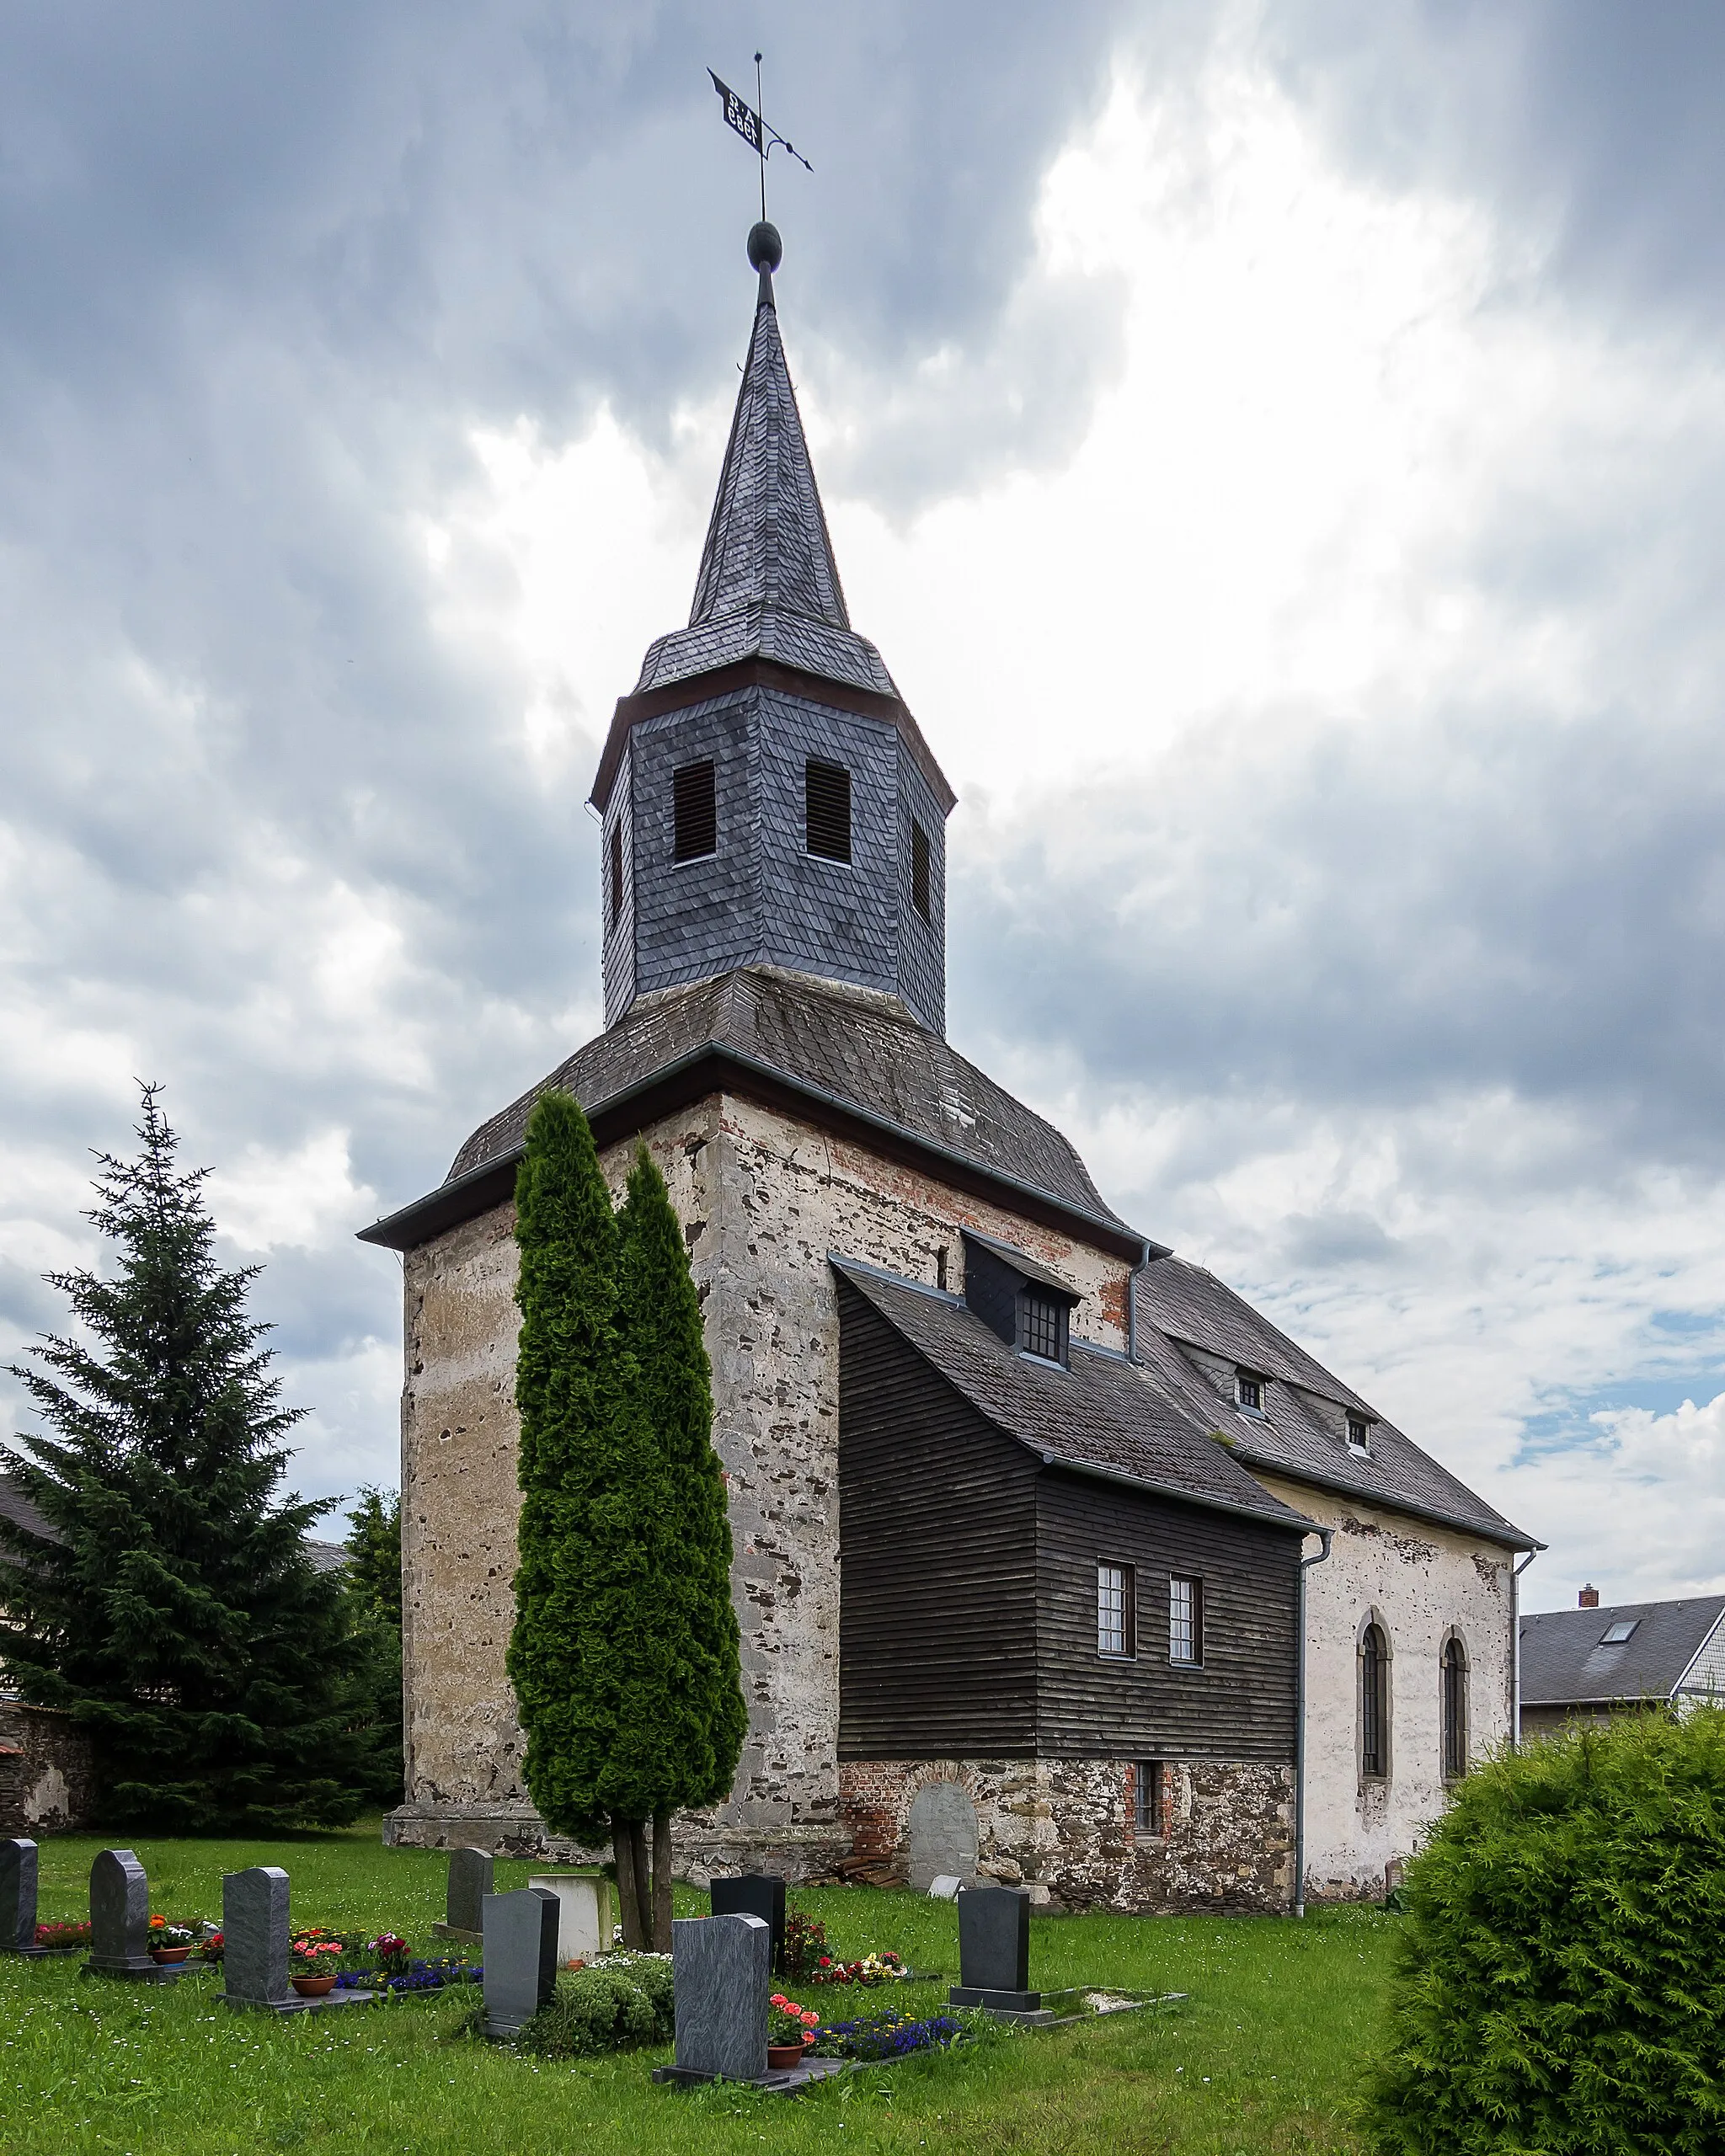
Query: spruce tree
[586, 1665]
[700, 1740]
[176, 1613]
[373, 1545]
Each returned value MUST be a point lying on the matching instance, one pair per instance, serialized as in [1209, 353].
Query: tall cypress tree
[701, 1738]
[176, 1613]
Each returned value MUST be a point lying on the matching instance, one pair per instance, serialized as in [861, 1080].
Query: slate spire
[767, 544]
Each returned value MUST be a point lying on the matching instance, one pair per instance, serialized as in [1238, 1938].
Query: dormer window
[1041, 1325]
[1614, 1635]
[1248, 1391]
[1020, 1302]
[1359, 1435]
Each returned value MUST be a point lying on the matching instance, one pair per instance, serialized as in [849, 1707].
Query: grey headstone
[994, 1950]
[520, 1956]
[18, 1898]
[945, 1887]
[942, 1833]
[255, 1937]
[755, 1894]
[471, 1877]
[722, 1971]
[120, 1919]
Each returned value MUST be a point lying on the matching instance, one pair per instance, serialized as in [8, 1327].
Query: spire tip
[766, 250]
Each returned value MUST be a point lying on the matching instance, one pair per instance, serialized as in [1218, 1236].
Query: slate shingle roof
[1180, 1303]
[863, 1049]
[19, 1509]
[768, 583]
[1564, 1664]
[1101, 1413]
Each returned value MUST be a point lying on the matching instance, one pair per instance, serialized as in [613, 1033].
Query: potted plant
[790, 2029]
[169, 1942]
[313, 1961]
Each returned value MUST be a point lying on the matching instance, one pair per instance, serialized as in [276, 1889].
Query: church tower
[768, 799]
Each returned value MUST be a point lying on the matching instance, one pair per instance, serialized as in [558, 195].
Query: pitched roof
[1564, 1664]
[768, 583]
[1101, 1415]
[1180, 1304]
[23, 1511]
[850, 1049]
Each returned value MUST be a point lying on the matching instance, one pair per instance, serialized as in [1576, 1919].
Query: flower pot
[312, 1986]
[780, 2056]
[169, 1953]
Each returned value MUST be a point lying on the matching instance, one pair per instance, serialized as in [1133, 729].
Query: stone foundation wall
[47, 1775]
[1064, 1828]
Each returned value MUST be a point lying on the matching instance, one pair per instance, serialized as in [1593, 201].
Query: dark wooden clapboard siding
[1240, 1705]
[938, 1529]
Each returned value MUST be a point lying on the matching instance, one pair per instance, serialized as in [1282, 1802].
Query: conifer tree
[175, 1612]
[701, 1736]
[373, 1545]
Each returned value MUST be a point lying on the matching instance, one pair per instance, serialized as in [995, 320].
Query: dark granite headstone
[994, 1950]
[17, 1898]
[721, 1968]
[520, 1956]
[471, 1877]
[755, 1894]
[255, 1947]
[119, 1921]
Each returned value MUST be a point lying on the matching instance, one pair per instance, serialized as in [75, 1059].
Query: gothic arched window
[1374, 1704]
[1455, 1711]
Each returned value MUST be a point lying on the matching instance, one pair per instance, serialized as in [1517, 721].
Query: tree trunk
[644, 1879]
[628, 1902]
[661, 1882]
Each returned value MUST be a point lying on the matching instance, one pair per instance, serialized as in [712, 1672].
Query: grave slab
[583, 1902]
[754, 1894]
[520, 1956]
[721, 1971]
[254, 1936]
[119, 1922]
[471, 1877]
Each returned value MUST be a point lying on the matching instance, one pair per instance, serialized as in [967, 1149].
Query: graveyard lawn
[1264, 2057]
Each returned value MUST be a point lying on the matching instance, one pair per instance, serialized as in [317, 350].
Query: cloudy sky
[1278, 448]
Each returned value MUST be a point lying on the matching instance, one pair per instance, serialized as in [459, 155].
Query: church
[1056, 1564]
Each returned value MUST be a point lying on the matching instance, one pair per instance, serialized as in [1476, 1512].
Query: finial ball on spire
[766, 250]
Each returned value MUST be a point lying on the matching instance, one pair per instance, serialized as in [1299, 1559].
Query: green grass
[1264, 2057]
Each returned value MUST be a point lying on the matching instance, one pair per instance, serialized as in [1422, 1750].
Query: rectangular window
[1113, 1610]
[695, 799]
[1185, 1620]
[919, 870]
[1041, 1325]
[827, 811]
[1248, 1391]
[1359, 1433]
[614, 881]
[1147, 1800]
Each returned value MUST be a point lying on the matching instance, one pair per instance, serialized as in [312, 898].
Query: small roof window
[1614, 1635]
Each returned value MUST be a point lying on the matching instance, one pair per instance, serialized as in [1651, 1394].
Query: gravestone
[584, 1900]
[17, 1898]
[471, 1877]
[994, 1953]
[942, 1833]
[520, 1956]
[119, 1921]
[945, 1887]
[255, 1947]
[722, 1971]
[755, 1894]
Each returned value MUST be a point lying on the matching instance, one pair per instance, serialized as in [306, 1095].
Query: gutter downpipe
[1327, 1535]
[1515, 1648]
[1142, 1266]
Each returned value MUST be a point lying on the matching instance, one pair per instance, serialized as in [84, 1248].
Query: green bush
[604, 2009]
[1561, 1987]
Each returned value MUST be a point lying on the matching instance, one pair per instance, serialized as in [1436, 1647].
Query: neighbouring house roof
[15, 1506]
[1101, 1415]
[781, 1035]
[327, 1556]
[1180, 1306]
[1565, 1663]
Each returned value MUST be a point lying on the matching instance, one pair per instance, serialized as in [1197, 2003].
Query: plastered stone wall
[1066, 1829]
[763, 1199]
[1422, 1584]
[47, 1776]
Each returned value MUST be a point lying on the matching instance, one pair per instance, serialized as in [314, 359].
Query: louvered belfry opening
[919, 870]
[695, 802]
[827, 811]
[614, 881]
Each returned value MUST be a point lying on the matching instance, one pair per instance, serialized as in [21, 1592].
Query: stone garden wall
[1064, 1827]
[47, 1782]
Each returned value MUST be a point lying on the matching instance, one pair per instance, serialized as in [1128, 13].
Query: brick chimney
[1588, 1598]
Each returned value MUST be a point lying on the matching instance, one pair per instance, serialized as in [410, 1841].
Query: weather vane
[761, 139]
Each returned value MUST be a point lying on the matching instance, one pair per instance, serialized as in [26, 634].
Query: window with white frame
[1185, 1619]
[1114, 1613]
